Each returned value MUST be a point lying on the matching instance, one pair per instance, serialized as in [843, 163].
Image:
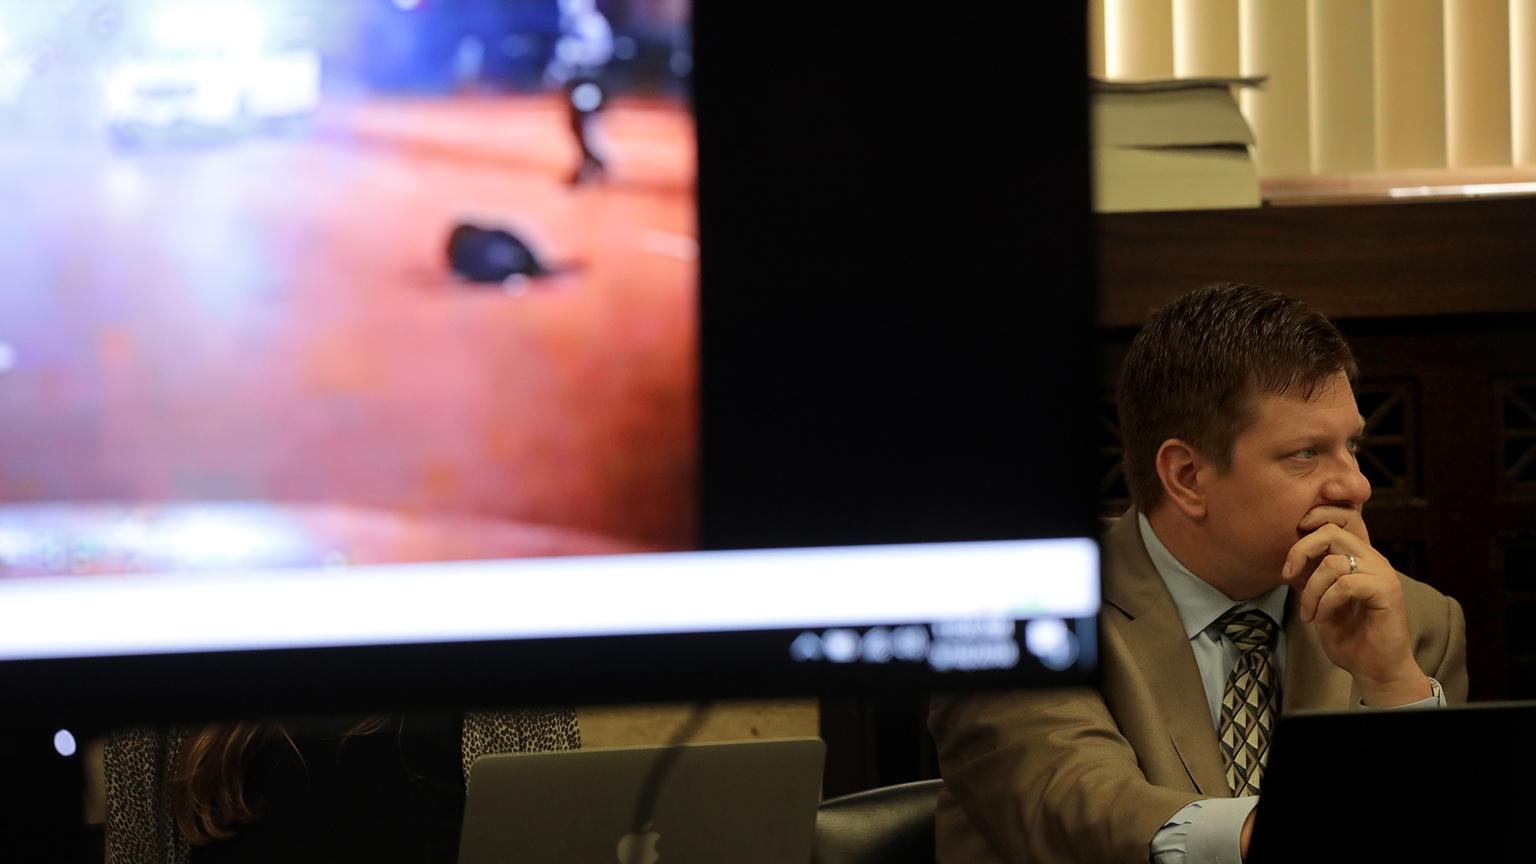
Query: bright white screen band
[684, 592]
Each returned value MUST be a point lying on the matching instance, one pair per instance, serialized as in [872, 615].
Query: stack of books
[1174, 144]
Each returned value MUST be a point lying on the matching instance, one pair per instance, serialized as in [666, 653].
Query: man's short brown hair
[1193, 371]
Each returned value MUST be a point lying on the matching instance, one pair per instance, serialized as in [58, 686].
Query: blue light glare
[586, 96]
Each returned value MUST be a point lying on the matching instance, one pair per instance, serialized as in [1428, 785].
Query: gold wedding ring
[1354, 565]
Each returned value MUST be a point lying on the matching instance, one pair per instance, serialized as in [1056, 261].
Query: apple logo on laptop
[639, 847]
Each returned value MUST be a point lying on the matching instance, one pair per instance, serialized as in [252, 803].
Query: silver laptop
[747, 802]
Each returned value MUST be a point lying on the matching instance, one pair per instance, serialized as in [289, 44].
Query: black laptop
[1435, 784]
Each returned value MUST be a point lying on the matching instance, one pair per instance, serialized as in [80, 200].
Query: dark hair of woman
[207, 791]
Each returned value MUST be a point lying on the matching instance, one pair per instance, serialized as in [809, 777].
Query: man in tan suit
[1242, 580]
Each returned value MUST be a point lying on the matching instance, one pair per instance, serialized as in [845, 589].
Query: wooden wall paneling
[1372, 260]
[1462, 365]
[1514, 549]
[1388, 452]
[1515, 564]
[1515, 441]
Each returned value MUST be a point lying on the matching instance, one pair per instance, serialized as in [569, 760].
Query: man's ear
[1180, 468]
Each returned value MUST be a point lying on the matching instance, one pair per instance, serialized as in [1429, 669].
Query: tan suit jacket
[1090, 775]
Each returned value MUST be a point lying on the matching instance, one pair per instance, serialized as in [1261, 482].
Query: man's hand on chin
[1351, 594]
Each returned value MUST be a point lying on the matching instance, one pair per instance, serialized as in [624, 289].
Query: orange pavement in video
[249, 348]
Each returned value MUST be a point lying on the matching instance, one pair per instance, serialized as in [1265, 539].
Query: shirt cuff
[1436, 699]
[1205, 832]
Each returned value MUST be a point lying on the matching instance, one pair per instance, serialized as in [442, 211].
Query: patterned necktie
[1251, 701]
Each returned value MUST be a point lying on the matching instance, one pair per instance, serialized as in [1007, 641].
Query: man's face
[1296, 455]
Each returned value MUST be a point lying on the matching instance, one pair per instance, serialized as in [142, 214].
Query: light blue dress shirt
[1209, 831]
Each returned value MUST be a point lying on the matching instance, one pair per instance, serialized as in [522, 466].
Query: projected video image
[319, 282]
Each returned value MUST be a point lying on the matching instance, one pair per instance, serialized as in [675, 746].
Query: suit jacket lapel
[1312, 682]
[1155, 636]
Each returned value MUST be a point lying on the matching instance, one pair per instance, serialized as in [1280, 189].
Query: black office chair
[889, 825]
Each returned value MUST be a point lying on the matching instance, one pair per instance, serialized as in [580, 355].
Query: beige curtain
[1205, 38]
[1477, 83]
[1353, 85]
[1522, 77]
[1342, 84]
[1138, 38]
[1274, 43]
[1096, 39]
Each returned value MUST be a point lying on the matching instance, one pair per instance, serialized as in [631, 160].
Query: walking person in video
[584, 48]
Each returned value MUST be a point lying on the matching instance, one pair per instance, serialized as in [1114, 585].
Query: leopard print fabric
[139, 763]
[525, 731]
[140, 830]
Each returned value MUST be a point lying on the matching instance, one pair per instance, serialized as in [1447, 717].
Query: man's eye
[1354, 445]
[1306, 453]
